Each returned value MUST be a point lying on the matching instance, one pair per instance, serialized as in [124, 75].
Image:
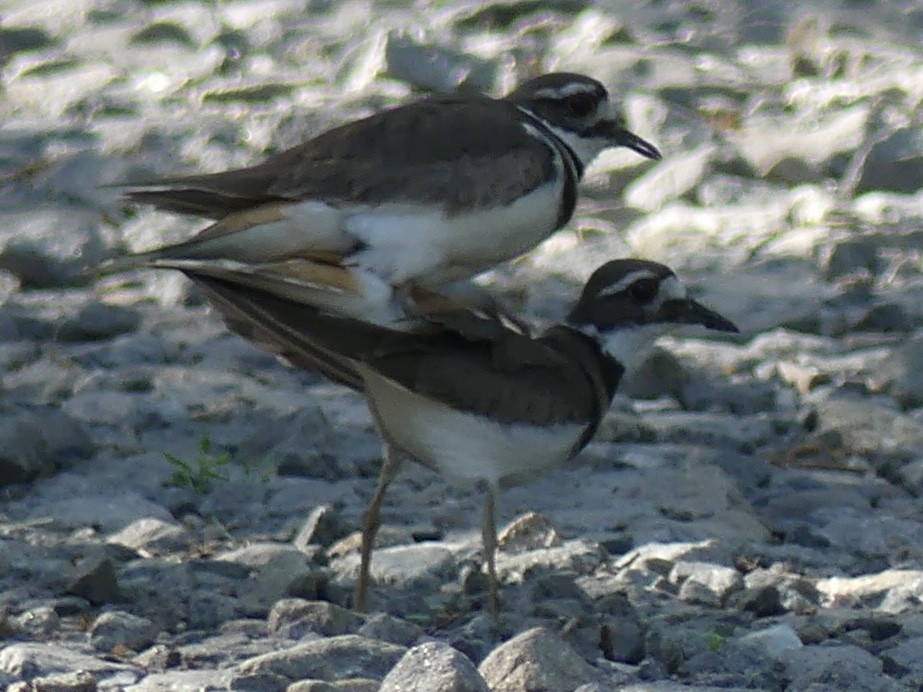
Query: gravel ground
[178, 510]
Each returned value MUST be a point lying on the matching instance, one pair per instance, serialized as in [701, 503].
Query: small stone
[670, 179]
[158, 657]
[388, 628]
[434, 667]
[51, 246]
[98, 321]
[249, 682]
[435, 68]
[908, 656]
[24, 454]
[38, 622]
[332, 658]
[276, 571]
[536, 659]
[837, 667]
[293, 618]
[528, 532]
[94, 579]
[901, 373]
[705, 583]
[762, 601]
[120, 629]
[775, 641]
[79, 681]
[29, 660]
[154, 536]
[849, 257]
[659, 374]
[894, 163]
[323, 527]
[345, 685]
[886, 317]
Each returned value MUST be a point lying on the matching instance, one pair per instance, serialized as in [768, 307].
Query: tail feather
[284, 328]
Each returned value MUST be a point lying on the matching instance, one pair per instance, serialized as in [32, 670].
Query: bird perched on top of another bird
[376, 215]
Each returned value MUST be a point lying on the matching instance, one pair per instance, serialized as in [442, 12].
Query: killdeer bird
[398, 203]
[468, 396]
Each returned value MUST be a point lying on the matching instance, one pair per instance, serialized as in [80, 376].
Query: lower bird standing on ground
[467, 395]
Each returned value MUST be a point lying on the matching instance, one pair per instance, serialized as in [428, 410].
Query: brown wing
[455, 151]
[473, 367]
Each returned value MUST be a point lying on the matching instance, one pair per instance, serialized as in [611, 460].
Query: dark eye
[643, 290]
[581, 105]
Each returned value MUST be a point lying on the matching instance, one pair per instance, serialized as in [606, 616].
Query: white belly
[465, 446]
[408, 243]
[401, 241]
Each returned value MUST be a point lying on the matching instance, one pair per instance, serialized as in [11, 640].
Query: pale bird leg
[489, 538]
[371, 521]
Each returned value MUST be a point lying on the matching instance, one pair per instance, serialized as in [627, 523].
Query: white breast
[461, 445]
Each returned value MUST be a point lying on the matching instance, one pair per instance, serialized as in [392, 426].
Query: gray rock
[660, 373]
[535, 659]
[418, 564]
[762, 601]
[183, 680]
[108, 512]
[801, 149]
[579, 556]
[333, 658]
[906, 660]
[436, 68]
[670, 179]
[868, 425]
[276, 570]
[852, 256]
[154, 536]
[50, 247]
[97, 321]
[885, 317]
[434, 667]
[29, 660]
[839, 667]
[894, 163]
[347, 685]
[293, 618]
[901, 373]
[704, 583]
[79, 681]
[22, 38]
[775, 641]
[38, 622]
[903, 597]
[94, 579]
[66, 438]
[769, 294]
[388, 628]
[323, 527]
[24, 455]
[117, 628]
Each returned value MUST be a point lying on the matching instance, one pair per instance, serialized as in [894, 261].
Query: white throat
[628, 345]
[586, 148]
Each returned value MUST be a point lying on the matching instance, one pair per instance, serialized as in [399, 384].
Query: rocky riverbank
[178, 509]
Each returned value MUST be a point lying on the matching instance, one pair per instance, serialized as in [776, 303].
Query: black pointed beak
[620, 137]
[688, 311]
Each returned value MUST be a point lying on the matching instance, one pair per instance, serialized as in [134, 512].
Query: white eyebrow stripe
[565, 91]
[626, 281]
